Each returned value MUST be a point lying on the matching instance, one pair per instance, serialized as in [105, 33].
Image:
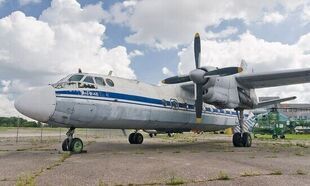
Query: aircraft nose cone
[38, 104]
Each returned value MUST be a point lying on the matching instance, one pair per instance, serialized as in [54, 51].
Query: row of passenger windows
[92, 80]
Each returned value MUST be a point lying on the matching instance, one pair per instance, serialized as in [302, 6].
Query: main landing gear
[71, 144]
[135, 138]
[241, 139]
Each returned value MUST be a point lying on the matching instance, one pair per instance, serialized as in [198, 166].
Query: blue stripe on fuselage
[128, 97]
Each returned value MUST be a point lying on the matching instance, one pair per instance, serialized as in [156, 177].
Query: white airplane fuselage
[129, 104]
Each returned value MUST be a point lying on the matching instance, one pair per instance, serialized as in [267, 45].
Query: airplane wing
[272, 102]
[275, 78]
[190, 87]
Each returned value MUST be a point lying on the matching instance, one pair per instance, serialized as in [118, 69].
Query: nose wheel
[135, 138]
[71, 144]
[242, 139]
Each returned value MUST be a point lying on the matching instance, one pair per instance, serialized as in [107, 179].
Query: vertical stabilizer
[244, 66]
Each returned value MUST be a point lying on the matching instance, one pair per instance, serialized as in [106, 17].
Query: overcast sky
[41, 40]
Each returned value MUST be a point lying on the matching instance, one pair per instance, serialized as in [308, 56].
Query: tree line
[15, 121]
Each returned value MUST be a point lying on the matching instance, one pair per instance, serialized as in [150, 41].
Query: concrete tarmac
[190, 159]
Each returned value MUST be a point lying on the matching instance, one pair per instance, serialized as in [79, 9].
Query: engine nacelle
[223, 92]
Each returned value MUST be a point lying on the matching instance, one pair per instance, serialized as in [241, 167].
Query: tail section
[244, 66]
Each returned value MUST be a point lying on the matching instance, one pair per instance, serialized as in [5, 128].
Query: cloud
[274, 17]
[135, 53]
[260, 55]
[170, 24]
[222, 34]
[2, 2]
[167, 72]
[35, 52]
[306, 13]
[26, 2]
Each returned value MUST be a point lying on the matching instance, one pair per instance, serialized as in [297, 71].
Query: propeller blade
[224, 71]
[176, 79]
[197, 50]
[198, 103]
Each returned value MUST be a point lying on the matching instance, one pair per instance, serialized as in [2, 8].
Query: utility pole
[41, 130]
[17, 130]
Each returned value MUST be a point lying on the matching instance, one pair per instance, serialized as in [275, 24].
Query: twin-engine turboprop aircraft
[208, 99]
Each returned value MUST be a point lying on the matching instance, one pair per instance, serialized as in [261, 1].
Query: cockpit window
[76, 78]
[89, 79]
[110, 82]
[100, 81]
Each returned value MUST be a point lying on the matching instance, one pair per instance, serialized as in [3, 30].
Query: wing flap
[274, 101]
[273, 79]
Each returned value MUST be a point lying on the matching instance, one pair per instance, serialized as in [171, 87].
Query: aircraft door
[84, 112]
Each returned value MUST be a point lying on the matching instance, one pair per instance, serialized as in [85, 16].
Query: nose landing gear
[71, 144]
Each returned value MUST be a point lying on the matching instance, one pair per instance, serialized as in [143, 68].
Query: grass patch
[64, 156]
[299, 153]
[250, 173]
[302, 145]
[287, 137]
[139, 152]
[276, 172]
[222, 176]
[27, 180]
[101, 183]
[301, 172]
[175, 181]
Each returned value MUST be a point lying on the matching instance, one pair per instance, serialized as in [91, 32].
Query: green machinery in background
[273, 122]
[277, 124]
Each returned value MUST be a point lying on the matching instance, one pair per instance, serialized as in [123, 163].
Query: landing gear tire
[76, 145]
[65, 145]
[138, 138]
[274, 136]
[282, 136]
[135, 138]
[151, 135]
[131, 138]
[246, 139]
[237, 140]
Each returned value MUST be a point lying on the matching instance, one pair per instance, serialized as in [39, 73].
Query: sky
[42, 41]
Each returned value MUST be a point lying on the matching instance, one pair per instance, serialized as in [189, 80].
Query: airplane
[207, 99]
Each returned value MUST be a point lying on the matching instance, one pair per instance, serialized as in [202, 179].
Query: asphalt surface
[193, 159]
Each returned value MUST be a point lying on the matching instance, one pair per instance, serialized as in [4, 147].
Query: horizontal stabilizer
[274, 101]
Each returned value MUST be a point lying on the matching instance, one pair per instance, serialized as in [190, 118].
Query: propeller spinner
[199, 76]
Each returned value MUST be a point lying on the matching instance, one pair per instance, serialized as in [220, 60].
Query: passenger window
[89, 79]
[76, 78]
[100, 81]
[110, 82]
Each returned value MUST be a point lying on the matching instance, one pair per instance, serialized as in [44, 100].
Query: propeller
[200, 76]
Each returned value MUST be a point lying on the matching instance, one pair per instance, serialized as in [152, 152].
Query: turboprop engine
[200, 76]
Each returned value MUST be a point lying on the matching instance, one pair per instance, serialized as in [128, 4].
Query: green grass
[250, 173]
[287, 136]
[301, 172]
[26, 180]
[222, 176]
[276, 172]
[175, 181]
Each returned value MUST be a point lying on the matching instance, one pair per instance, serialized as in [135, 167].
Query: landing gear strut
[135, 138]
[242, 139]
[72, 144]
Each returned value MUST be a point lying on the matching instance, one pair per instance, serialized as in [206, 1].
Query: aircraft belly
[117, 115]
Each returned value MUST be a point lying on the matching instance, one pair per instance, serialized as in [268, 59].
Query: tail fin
[244, 65]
